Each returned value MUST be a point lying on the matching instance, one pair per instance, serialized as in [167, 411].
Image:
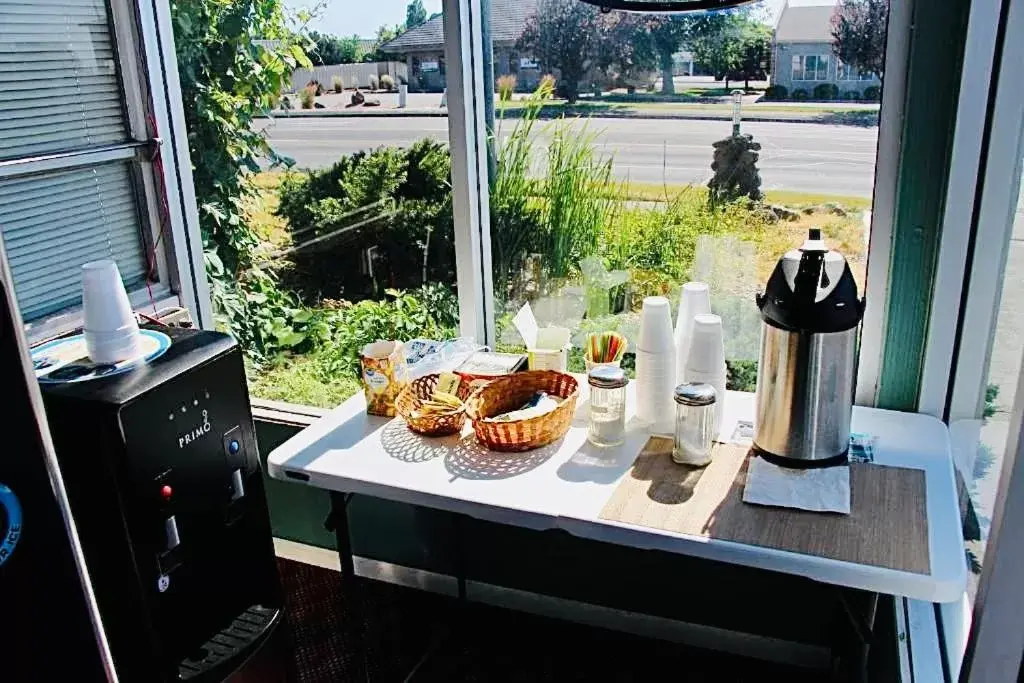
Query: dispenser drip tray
[230, 645]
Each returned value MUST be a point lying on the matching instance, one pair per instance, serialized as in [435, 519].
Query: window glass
[60, 91]
[980, 443]
[357, 235]
[601, 193]
[96, 218]
[59, 87]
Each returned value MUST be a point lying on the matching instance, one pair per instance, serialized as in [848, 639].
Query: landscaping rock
[783, 213]
[836, 210]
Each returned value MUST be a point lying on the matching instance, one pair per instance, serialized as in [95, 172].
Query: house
[423, 47]
[803, 56]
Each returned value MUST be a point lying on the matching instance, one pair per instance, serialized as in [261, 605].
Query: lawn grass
[655, 192]
[298, 379]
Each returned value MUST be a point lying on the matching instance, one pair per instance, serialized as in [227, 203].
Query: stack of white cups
[705, 360]
[694, 300]
[656, 366]
[111, 331]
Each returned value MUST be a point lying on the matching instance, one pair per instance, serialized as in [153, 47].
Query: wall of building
[782, 69]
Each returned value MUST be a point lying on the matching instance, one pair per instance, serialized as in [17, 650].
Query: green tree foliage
[385, 34]
[858, 32]
[565, 36]
[668, 33]
[227, 79]
[328, 49]
[415, 14]
[721, 46]
[755, 53]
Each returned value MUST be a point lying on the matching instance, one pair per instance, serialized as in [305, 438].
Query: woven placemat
[887, 525]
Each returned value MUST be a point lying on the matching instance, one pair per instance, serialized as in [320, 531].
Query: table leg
[862, 625]
[352, 608]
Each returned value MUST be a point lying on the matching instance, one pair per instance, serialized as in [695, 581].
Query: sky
[362, 17]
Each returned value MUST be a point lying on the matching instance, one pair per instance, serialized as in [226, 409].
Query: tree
[720, 46]
[564, 35]
[755, 53]
[385, 34]
[668, 33]
[415, 14]
[858, 32]
[330, 49]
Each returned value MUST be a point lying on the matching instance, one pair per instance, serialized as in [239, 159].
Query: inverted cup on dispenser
[694, 300]
[111, 330]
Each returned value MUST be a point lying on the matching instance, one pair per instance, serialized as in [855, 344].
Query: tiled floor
[477, 643]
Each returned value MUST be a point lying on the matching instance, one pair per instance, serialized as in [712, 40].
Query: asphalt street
[808, 157]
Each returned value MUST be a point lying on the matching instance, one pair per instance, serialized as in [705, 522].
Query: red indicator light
[166, 492]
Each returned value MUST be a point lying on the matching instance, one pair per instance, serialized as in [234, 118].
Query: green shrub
[872, 93]
[852, 95]
[307, 97]
[387, 83]
[401, 316]
[826, 91]
[372, 83]
[799, 95]
[337, 84]
[776, 92]
[409, 225]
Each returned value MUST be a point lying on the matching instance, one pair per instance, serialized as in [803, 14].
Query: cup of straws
[604, 348]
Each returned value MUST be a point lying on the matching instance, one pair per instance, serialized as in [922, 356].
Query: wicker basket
[511, 392]
[436, 424]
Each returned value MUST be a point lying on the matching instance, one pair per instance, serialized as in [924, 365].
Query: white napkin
[825, 489]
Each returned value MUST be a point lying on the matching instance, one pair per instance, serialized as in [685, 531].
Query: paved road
[795, 156]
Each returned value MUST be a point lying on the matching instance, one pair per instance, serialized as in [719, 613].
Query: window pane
[601, 195]
[366, 212]
[58, 77]
[981, 443]
[52, 224]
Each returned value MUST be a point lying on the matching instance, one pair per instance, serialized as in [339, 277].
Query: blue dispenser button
[233, 446]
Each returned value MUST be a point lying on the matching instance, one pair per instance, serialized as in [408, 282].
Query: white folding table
[566, 485]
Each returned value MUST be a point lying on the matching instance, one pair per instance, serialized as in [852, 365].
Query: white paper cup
[694, 300]
[655, 383]
[656, 326]
[111, 331]
[707, 347]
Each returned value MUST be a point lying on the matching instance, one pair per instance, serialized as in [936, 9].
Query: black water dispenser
[166, 490]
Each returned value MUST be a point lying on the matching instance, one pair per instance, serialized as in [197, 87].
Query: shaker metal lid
[695, 394]
[607, 377]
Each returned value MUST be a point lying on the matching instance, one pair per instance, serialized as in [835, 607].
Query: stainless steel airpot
[810, 313]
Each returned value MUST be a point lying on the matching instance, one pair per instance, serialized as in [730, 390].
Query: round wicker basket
[509, 393]
[432, 424]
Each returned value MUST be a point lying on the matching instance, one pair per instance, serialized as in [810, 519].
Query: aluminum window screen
[59, 85]
[54, 223]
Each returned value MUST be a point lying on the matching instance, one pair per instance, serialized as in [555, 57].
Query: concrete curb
[775, 117]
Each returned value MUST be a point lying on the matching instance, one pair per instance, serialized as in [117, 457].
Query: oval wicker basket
[435, 424]
[510, 392]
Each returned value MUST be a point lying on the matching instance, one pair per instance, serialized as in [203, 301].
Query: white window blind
[59, 85]
[54, 223]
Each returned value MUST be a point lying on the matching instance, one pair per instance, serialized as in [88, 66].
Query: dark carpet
[403, 630]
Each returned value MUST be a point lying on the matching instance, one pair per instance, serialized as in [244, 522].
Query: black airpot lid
[819, 294]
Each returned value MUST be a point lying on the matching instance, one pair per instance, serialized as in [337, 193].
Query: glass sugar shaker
[695, 423]
[607, 424]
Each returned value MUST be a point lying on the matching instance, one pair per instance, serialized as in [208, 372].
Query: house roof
[805, 24]
[508, 21]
